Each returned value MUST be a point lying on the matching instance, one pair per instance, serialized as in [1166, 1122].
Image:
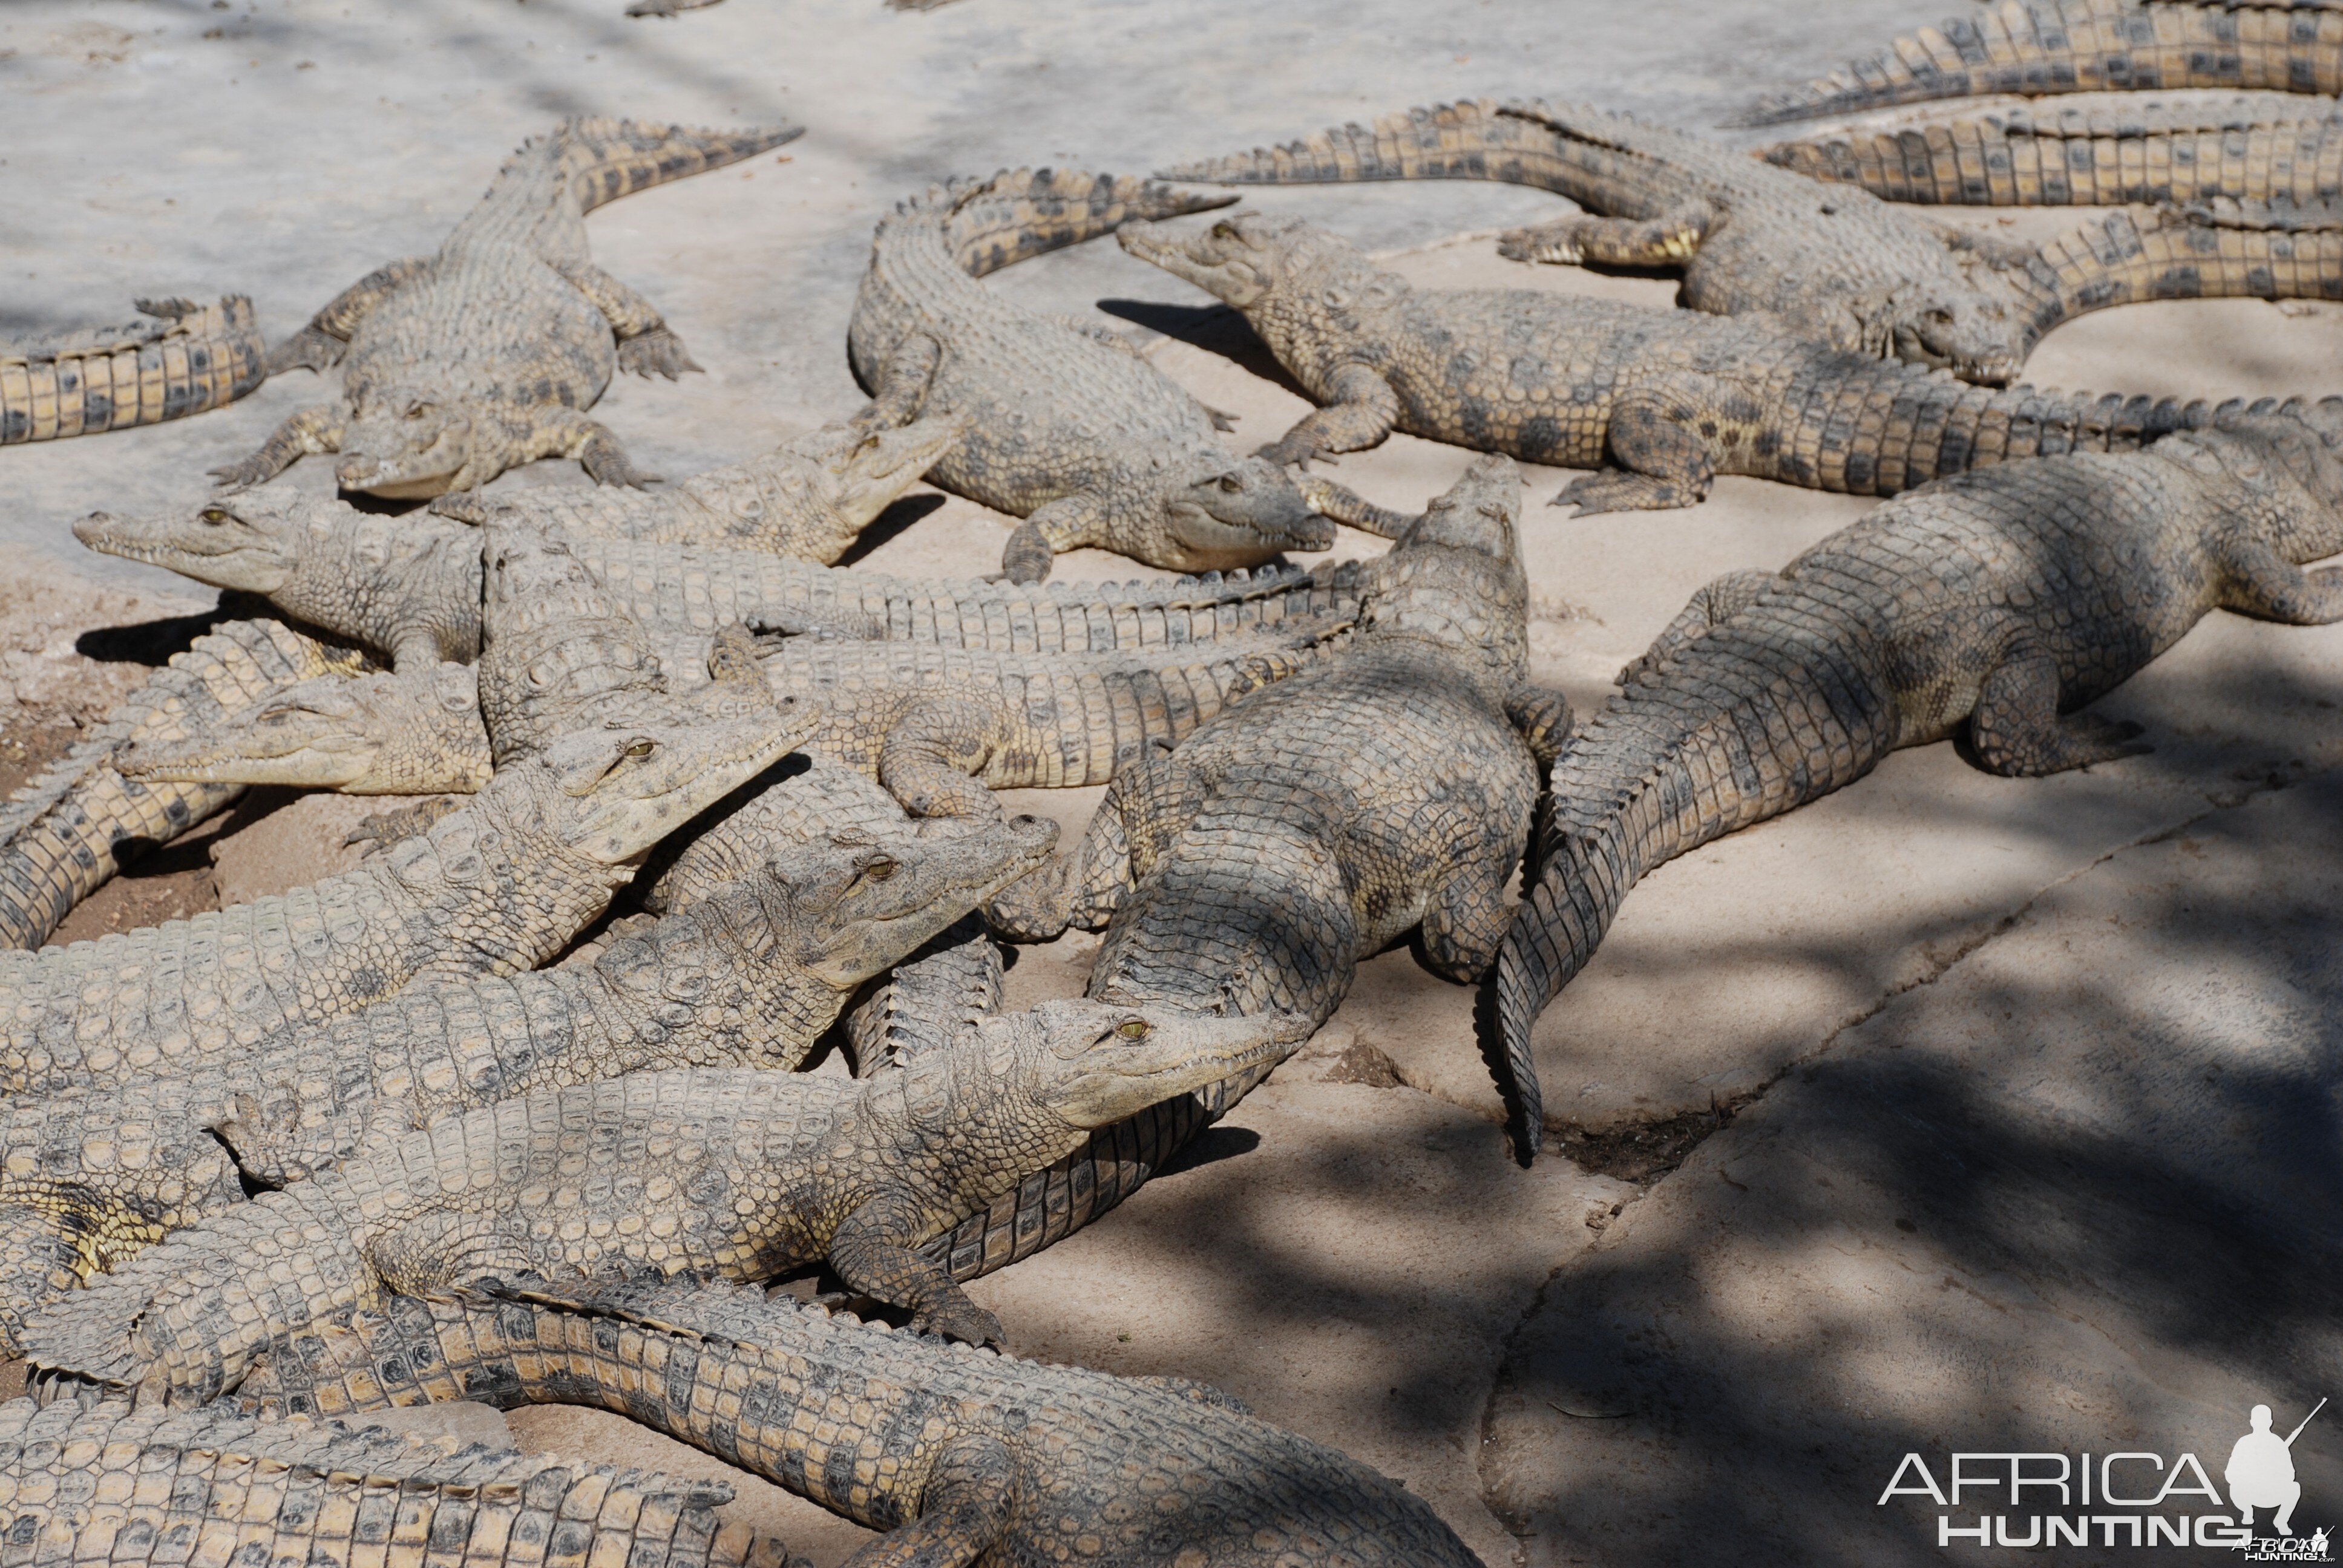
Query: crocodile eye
[878, 869]
[213, 515]
[1232, 483]
[1133, 1028]
[1224, 230]
[642, 748]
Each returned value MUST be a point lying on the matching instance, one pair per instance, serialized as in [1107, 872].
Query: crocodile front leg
[312, 432]
[566, 433]
[319, 346]
[1667, 240]
[929, 756]
[871, 1252]
[1067, 523]
[1361, 411]
[645, 346]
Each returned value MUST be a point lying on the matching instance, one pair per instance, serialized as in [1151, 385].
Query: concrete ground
[1952, 1112]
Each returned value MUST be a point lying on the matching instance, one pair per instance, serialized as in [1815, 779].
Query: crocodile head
[374, 734]
[859, 474]
[623, 785]
[248, 542]
[856, 905]
[1238, 512]
[405, 443]
[1091, 1064]
[1969, 331]
[1454, 575]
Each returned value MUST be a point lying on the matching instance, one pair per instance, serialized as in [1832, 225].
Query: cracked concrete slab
[2079, 1194]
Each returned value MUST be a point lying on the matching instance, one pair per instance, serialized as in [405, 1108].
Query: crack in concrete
[2217, 802]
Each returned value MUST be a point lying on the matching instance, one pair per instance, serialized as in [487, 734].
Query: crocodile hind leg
[965, 1508]
[903, 384]
[1666, 240]
[1146, 808]
[929, 759]
[312, 432]
[2018, 732]
[645, 345]
[1662, 461]
[54, 1235]
[319, 346]
[872, 1253]
[1709, 608]
[566, 433]
[2261, 583]
[1067, 523]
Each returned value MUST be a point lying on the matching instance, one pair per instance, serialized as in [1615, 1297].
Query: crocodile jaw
[877, 470]
[1214, 263]
[1118, 1074]
[224, 551]
[872, 927]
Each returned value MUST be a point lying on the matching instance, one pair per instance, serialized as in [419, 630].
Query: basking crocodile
[736, 1172]
[1820, 262]
[748, 975]
[1067, 425]
[102, 1483]
[410, 586]
[501, 886]
[2106, 150]
[63, 832]
[187, 358]
[484, 356]
[809, 497]
[1997, 602]
[2033, 48]
[370, 734]
[1661, 401]
[959, 1454]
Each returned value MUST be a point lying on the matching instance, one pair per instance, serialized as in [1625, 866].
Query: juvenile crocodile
[1067, 425]
[1998, 601]
[961, 1454]
[736, 1172]
[410, 586]
[484, 355]
[1661, 401]
[187, 358]
[369, 734]
[1817, 261]
[64, 832]
[501, 886]
[809, 497]
[748, 975]
[2106, 150]
[2033, 48]
[148, 1488]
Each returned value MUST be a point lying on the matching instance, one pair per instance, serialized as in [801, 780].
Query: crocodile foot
[658, 352]
[1618, 490]
[384, 829]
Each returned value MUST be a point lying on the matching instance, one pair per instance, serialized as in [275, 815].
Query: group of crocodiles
[516, 1110]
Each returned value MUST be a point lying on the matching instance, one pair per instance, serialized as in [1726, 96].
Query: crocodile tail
[2248, 151]
[1019, 213]
[187, 1318]
[199, 358]
[2033, 47]
[2213, 251]
[1777, 705]
[606, 158]
[62, 833]
[1878, 428]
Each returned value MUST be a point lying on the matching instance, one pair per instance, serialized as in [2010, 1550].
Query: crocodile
[1993, 604]
[2108, 150]
[2036, 47]
[749, 975]
[1661, 401]
[501, 886]
[1067, 425]
[98, 1481]
[1827, 263]
[66, 830]
[374, 733]
[186, 358]
[961, 1454]
[484, 355]
[410, 586]
[809, 497]
[732, 1172]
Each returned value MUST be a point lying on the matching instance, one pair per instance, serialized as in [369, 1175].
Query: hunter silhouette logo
[2123, 1498]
